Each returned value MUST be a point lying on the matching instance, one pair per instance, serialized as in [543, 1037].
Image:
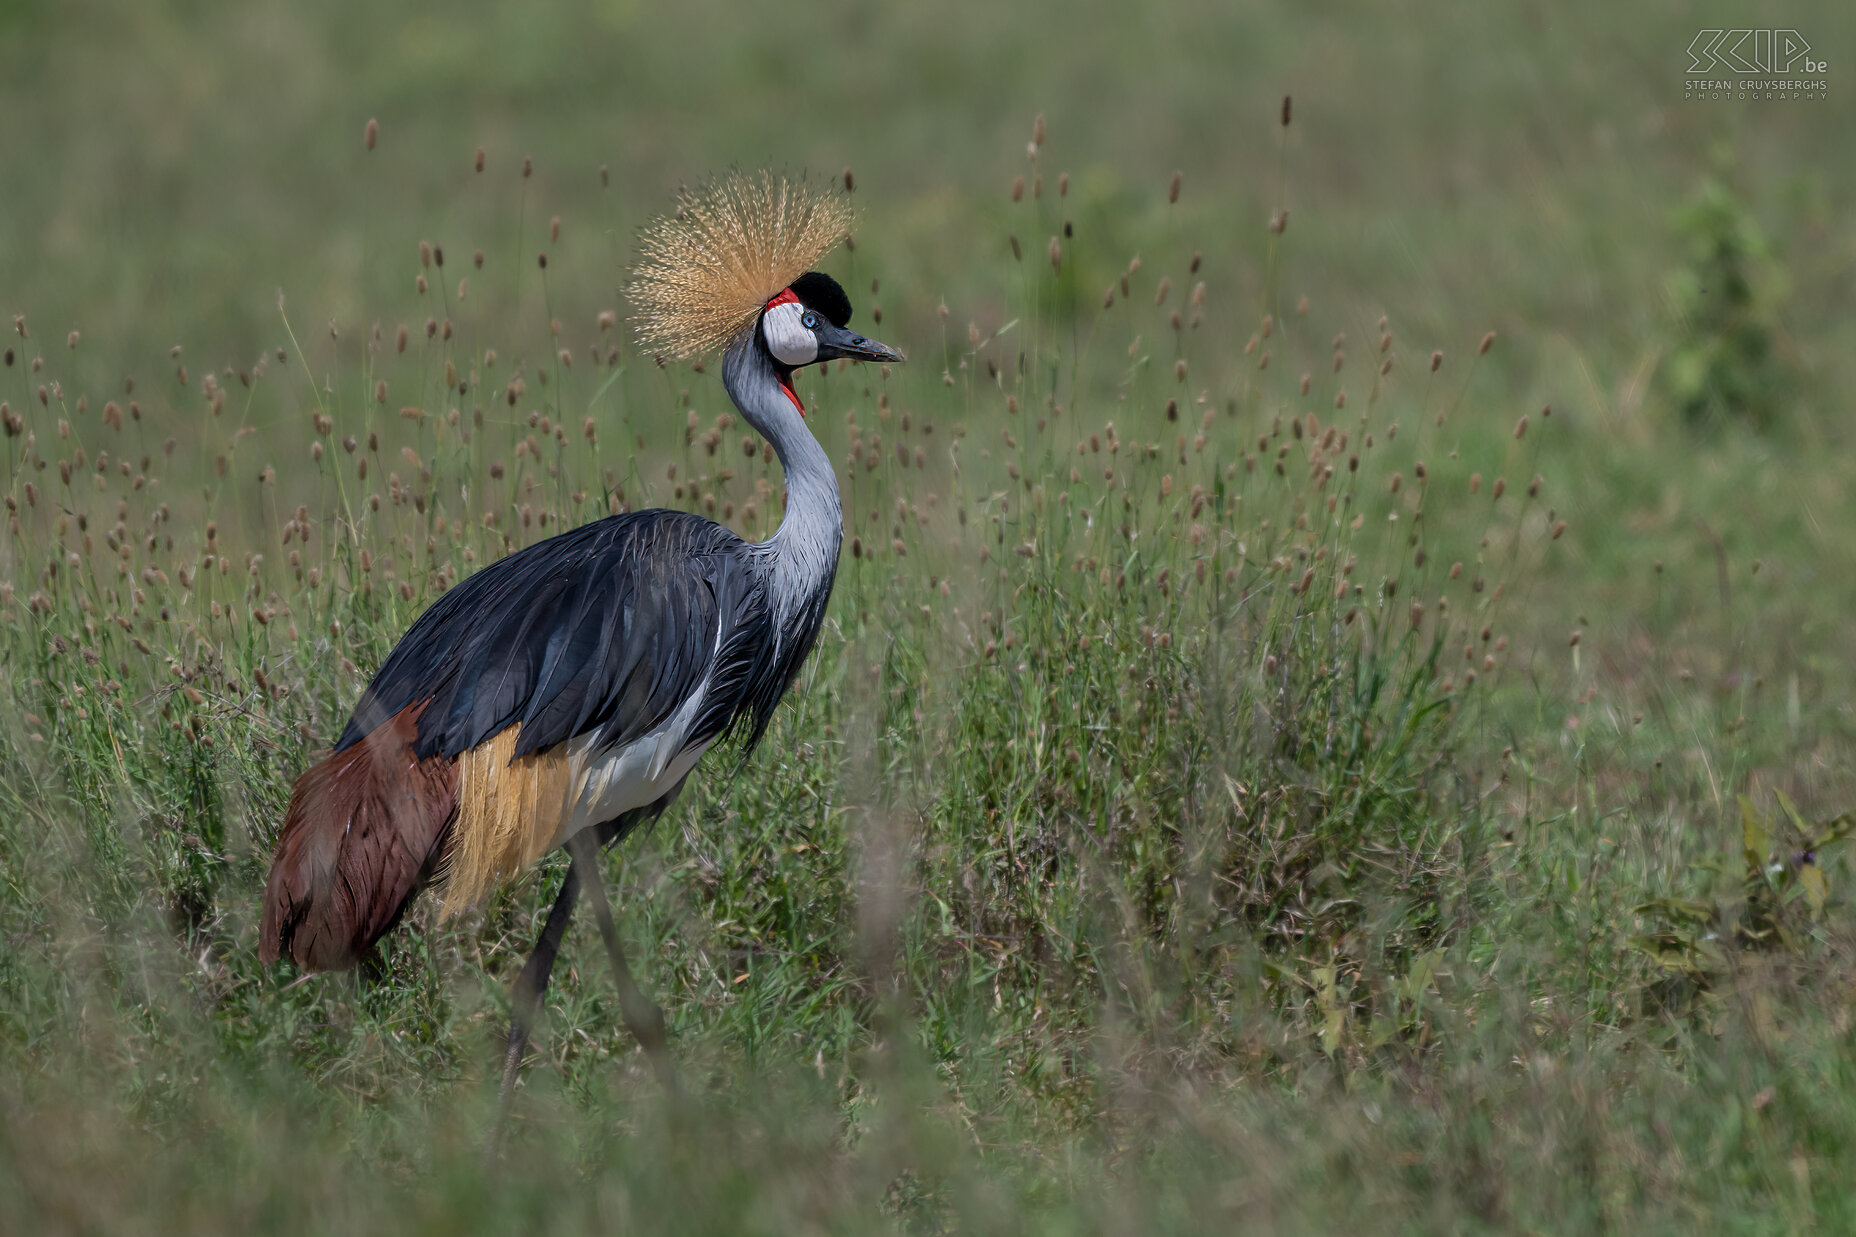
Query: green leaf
[1692, 911]
[1331, 1027]
[1423, 967]
[1835, 829]
[1791, 813]
[1756, 839]
[1816, 888]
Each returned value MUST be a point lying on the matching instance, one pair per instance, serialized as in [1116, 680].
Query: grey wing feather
[610, 628]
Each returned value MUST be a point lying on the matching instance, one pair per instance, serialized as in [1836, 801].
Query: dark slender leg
[642, 1016]
[525, 1005]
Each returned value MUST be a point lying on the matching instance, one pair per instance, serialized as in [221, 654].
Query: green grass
[1156, 841]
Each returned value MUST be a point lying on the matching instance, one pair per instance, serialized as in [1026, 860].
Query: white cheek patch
[787, 338]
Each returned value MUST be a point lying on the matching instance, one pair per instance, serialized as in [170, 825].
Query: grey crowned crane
[561, 696]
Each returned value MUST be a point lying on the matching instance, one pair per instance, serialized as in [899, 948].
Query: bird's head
[732, 269]
[808, 323]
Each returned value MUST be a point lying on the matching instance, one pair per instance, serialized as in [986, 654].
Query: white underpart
[787, 336]
[612, 781]
[615, 780]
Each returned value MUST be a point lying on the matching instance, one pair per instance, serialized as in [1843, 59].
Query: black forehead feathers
[817, 290]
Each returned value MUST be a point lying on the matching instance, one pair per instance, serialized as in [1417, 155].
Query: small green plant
[1764, 898]
[1726, 363]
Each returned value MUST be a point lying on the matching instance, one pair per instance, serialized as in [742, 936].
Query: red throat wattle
[792, 395]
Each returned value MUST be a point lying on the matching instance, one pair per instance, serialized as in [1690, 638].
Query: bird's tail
[366, 827]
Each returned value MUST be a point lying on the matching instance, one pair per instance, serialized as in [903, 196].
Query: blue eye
[810, 321]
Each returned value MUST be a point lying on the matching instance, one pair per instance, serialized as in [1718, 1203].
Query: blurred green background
[168, 167]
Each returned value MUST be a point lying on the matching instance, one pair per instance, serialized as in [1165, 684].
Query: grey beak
[835, 341]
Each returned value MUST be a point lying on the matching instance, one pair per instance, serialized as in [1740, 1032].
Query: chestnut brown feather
[365, 828]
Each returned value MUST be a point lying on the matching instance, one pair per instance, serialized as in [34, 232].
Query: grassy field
[1336, 710]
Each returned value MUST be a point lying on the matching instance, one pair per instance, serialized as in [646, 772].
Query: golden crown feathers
[705, 271]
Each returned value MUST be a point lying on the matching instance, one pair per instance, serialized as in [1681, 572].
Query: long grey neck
[802, 554]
